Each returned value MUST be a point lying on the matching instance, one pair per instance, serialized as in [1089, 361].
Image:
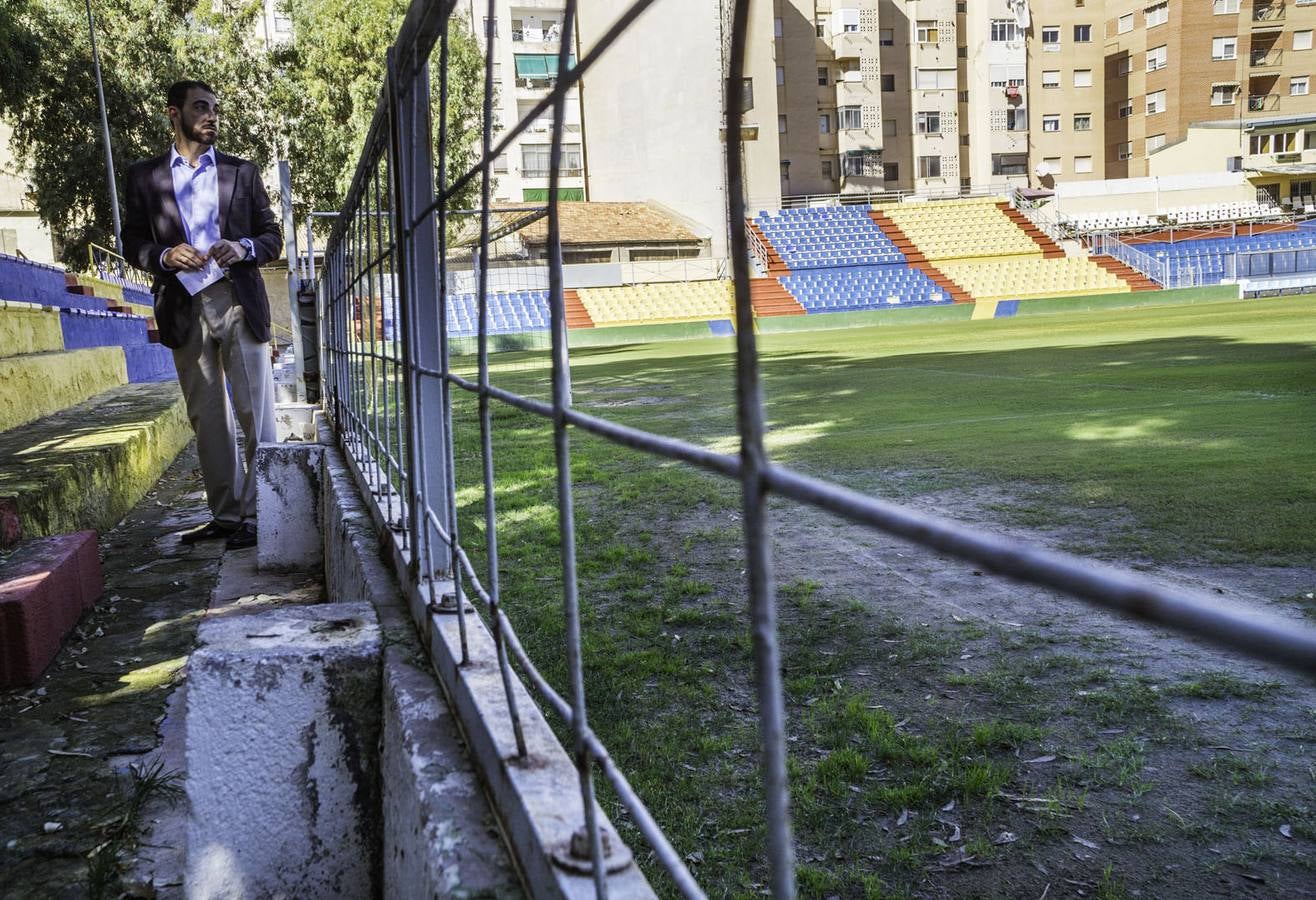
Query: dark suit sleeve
[139, 245]
[266, 236]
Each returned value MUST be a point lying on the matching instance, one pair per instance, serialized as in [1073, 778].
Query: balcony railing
[1262, 102]
[1264, 59]
[566, 172]
[1272, 12]
[535, 35]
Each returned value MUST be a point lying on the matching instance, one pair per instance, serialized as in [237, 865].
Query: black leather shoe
[242, 538]
[211, 531]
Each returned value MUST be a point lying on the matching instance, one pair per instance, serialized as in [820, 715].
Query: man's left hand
[226, 253]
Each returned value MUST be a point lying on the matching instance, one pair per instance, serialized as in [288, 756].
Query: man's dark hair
[177, 95]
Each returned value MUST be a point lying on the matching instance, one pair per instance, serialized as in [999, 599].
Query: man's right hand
[186, 257]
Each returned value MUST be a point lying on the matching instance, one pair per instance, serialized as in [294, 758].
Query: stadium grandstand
[90, 412]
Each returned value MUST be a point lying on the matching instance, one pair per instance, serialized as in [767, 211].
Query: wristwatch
[251, 249]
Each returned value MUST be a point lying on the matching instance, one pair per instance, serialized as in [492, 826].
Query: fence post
[418, 244]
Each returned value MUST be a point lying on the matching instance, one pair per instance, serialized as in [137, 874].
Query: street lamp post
[105, 133]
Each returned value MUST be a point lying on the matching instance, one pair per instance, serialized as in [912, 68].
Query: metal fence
[389, 390]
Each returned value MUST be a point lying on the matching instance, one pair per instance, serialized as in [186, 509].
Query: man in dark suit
[200, 222]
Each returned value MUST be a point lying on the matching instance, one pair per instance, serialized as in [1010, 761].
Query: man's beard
[199, 134]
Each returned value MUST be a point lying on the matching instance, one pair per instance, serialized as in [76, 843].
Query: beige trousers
[221, 346]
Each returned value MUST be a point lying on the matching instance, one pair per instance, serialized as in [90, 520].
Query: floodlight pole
[105, 133]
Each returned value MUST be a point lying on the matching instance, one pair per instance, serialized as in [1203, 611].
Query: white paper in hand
[198, 281]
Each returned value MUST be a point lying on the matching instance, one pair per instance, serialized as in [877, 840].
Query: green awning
[539, 65]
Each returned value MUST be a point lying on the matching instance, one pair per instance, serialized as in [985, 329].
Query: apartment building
[1066, 120]
[1170, 64]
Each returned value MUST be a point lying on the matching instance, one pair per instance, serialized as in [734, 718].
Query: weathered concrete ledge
[440, 837]
[288, 507]
[538, 797]
[282, 732]
[86, 466]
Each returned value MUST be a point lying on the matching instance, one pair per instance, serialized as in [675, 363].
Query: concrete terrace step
[87, 465]
[45, 587]
[88, 328]
[29, 328]
[39, 384]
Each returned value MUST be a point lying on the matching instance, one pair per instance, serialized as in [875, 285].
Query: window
[1082, 78]
[1156, 58]
[747, 94]
[886, 37]
[891, 171]
[824, 124]
[1224, 48]
[1004, 30]
[1051, 78]
[929, 167]
[1224, 7]
[1223, 94]
[1124, 150]
[781, 75]
[535, 160]
[1052, 165]
[538, 70]
[1298, 86]
[1083, 165]
[889, 127]
[827, 169]
[964, 96]
[852, 165]
[822, 76]
[786, 169]
[1126, 109]
[1016, 119]
[1154, 143]
[935, 79]
[1051, 38]
[1124, 65]
[1082, 34]
[888, 83]
[925, 31]
[1001, 75]
[1051, 122]
[1302, 40]
[1281, 142]
[1155, 102]
[776, 27]
[928, 122]
[1009, 163]
[820, 26]
[1156, 15]
[1082, 121]
[849, 20]
[781, 124]
[1124, 24]
[849, 118]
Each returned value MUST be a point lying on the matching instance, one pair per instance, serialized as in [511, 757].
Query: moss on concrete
[40, 384]
[86, 466]
[28, 328]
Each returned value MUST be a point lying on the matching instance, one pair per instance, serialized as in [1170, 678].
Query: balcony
[538, 40]
[1266, 59]
[1269, 12]
[855, 140]
[852, 44]
[1262, 102]
[566, 172]
[856, 93]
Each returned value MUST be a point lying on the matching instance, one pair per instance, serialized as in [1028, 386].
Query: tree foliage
[311, 101]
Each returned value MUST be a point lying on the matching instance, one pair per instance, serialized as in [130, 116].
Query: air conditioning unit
[1234, 164]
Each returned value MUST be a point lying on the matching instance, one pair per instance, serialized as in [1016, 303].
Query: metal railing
[109, 266]
[390, 398]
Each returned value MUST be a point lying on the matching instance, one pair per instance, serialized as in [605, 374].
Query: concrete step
[87, 465]
[29, 328]
[45, 587]
[40, 384]
[86, 328]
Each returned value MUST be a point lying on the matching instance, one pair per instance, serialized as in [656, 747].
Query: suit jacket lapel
[164, 189]
[228, 179]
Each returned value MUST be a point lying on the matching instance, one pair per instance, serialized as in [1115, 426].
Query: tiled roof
[610, 223]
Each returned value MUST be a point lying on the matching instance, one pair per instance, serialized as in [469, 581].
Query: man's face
[198, 118]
